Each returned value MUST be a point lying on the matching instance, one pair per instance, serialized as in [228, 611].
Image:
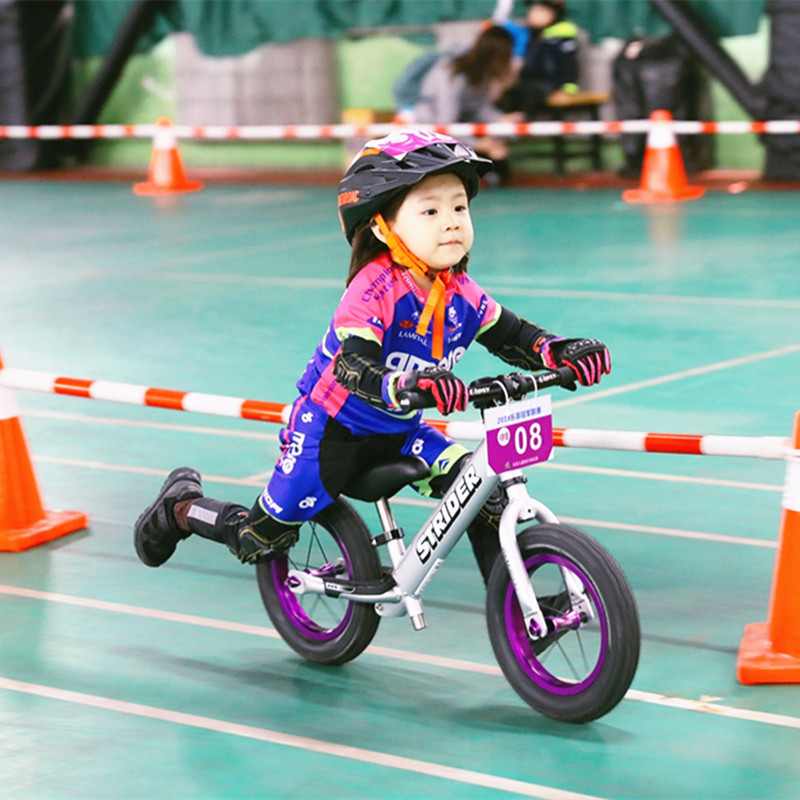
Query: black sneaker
[156, 534]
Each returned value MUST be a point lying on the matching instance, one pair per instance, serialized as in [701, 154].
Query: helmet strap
[399, 251]
[436, 302]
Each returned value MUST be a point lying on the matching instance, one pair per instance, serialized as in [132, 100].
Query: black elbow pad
[358, 367]
[516, 341]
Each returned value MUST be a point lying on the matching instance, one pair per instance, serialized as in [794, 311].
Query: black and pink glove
[448, 392]
[587, 358]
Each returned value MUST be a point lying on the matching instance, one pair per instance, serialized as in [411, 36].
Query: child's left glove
[448, 391]
[589, 359]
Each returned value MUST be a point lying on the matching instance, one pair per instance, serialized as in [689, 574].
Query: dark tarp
[233, 27]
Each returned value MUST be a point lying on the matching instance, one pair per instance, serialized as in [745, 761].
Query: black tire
[324, 629]
[573, 675]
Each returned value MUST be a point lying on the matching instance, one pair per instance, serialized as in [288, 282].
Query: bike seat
[387, 477]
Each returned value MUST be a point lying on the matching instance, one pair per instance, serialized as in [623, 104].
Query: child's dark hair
[367, 247]
[489, 58]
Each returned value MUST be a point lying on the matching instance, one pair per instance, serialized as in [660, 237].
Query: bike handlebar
[486, 392]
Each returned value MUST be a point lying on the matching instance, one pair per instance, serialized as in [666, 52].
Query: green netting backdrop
[233, 27]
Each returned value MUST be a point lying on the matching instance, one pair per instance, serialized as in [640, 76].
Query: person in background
[546, 55]
[466, 87]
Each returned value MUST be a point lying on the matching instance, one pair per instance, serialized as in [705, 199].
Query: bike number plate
[519, 435]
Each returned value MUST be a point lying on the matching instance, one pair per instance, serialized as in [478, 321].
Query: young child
[408, 314]
[547, 49]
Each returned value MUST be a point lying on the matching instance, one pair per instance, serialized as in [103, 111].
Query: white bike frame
[413, 567]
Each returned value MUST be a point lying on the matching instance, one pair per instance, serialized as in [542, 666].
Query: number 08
[527, 440]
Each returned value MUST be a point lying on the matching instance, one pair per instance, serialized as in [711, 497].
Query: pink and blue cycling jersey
[382, 304]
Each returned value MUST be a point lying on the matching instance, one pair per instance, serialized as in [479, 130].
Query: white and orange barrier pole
[325, 132]
[24, 522]
[770, 651]
[768, 447]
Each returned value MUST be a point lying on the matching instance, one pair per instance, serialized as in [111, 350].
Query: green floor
[118, 681]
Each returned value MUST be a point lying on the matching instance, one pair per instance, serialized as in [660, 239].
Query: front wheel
[582, 670]
[324, 629]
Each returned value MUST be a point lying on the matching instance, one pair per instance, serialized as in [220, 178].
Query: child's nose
[450, 220]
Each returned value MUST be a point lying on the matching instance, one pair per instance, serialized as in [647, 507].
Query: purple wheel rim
[535, 669]
[291, 604]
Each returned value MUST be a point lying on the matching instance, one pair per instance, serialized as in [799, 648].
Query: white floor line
[694, 372]
[162, 473]
[283, 282]
[258, 481]
[665, 477]
[701, 706]
[662, 476]
[710, 707]
[157, 426]
[240, 251]
[624, 526]
[638, 298]
[375, 757]
[676, 532]
[493, 289]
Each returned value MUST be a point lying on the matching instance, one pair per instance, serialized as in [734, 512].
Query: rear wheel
[328, 630]
[582, 670]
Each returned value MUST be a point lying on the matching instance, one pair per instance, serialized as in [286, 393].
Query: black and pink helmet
[385, 166]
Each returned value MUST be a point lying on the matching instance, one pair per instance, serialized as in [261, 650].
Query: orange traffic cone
[24, 522]
[663, 175]
[166, 174]
[770, 651]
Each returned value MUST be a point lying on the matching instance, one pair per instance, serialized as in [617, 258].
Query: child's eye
[461, 207]
[429, 212]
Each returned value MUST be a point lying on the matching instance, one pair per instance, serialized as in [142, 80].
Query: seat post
[394, 547]
[385, 514]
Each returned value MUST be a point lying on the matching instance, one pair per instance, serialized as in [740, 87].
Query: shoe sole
[177, 475]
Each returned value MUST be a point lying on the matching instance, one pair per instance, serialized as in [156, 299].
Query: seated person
[466, 87]
[546, 49]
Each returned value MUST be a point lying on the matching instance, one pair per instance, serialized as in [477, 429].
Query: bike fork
[522, 508]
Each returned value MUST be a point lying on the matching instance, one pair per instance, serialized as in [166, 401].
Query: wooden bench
[560, 149]
[561, 108]
[570, 108]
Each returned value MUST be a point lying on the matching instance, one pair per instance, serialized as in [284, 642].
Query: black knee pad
[441, 483]
[260, 535]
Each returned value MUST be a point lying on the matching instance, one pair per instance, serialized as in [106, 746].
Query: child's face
[541, 16]
[434, 221]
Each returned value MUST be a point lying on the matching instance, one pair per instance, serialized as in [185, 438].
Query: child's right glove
[449, 392]
[589, 359]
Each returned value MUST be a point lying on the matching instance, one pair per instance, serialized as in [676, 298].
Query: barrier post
[770, 651]
[24, 522]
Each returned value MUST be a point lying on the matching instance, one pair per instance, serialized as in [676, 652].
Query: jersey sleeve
[366, 309]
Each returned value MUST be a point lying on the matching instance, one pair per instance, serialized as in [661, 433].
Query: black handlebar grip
[568, 378]
[562, 376]
[411, 399]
